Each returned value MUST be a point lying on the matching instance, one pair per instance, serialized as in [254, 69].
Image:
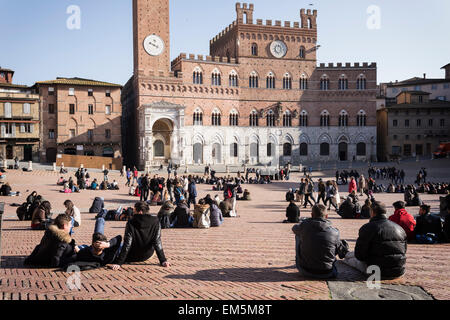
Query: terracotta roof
[416, 81]
[415, 92]
[79, 82]
[12, 85]
[431, 104]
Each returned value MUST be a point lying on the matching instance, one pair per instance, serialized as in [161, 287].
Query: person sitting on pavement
[73, 212]
[181, 217]
[347, 209]
[317, 244]
[290, 196]
[142, 238]
[94, 185]
[56, 247]
[164, 214]
[292, 213]
[41, 216]
[446, 227]
[365, 210]
[403, 219]
[216, 215]
[202, 215]
[381, 243]
[428, 228]
[98, 205]
[226, 207]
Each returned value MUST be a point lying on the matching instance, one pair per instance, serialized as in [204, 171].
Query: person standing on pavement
[192, 192]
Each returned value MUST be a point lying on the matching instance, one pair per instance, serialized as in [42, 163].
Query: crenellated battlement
[223, 32]
[308, 21]
[201, 58]
[347, 65]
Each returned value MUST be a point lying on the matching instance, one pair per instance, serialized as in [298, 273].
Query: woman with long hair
[73, 212]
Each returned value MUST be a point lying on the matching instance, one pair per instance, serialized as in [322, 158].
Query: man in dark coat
[317, 245]
[428, 223]
[57, 248]
[142, 238]
[292, 213]
[181, 217]
[381, 243]
[97, 205]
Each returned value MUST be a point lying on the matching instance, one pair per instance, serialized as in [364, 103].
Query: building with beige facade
[19, 119]
[413, 127]
[79, 117]
[259, 97]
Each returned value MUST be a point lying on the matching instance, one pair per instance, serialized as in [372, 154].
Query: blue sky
[412, 40]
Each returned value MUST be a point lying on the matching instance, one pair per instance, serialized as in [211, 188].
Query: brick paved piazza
[251, 257]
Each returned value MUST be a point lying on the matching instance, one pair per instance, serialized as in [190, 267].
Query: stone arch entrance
[162, 136]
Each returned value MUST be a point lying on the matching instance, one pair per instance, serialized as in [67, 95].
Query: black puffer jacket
[55, 250]
[142, 238]
[319, 244]
[383, 243]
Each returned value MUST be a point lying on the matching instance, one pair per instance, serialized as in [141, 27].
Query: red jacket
[352, 186]
[406, 221]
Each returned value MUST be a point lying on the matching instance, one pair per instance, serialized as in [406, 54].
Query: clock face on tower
[278, 49]
[154, 45]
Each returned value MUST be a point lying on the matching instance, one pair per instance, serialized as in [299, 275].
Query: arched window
[198, 117]
[303, 82]
[270, 81]
[304, 119]
[234, 118]
[234, 82]
[362, 119]
[304, 149]
[254, 49]
[254, 119]
[270, 119]
[361, 149]
[253, 80]
[287, 82]
[324, 83]
[343, 82]
[216, 78]
[343, 119]
[361, 82]
[287, 119]
[287, 150]
[198, 76]
[302, 54]
[216, 118]
[325, 119]
[324, 149]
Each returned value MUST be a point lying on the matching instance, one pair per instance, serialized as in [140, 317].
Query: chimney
[424, 75]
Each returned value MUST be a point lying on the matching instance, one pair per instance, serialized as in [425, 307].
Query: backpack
[229, 194]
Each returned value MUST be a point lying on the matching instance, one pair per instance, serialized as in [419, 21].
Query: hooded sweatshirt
[406, 221]
[142, 238]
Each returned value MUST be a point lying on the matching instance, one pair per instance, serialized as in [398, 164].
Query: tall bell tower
[151, 37]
